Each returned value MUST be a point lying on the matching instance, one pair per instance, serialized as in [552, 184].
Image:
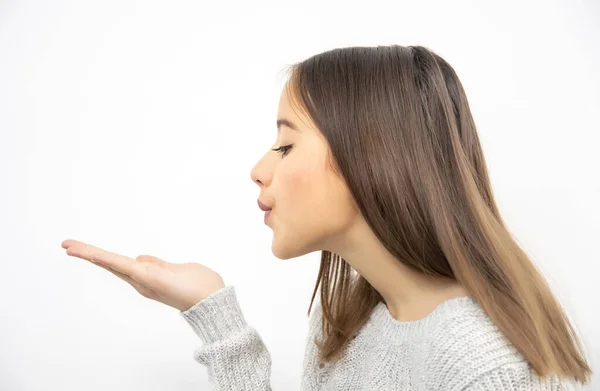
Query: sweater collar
[388, 326]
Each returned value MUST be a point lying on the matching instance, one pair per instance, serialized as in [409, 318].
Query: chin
[283, 252]
[290, 249]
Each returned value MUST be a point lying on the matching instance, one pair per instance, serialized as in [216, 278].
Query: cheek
[313, 207]
[299, 188]
[315, 204]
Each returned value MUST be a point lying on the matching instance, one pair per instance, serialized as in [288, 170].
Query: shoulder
[467, 351]
[516, 377]
[465, 345]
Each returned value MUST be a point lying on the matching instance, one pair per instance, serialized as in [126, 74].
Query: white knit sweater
[456, 347]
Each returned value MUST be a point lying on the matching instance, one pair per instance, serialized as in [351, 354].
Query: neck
[408, 294]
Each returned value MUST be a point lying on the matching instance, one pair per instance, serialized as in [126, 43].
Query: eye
[285, 149]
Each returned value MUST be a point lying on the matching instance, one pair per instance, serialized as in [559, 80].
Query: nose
[261, 173]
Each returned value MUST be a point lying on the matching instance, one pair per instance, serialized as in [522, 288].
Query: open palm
[176, 285]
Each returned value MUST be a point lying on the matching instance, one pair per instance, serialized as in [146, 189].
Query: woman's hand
[176, 285]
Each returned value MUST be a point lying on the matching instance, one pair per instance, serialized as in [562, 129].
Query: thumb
[150, 259]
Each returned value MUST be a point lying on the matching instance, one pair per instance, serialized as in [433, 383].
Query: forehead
[289, 115]
[285, 103]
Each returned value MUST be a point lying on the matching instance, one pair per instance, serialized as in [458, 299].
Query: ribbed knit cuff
[217, 316]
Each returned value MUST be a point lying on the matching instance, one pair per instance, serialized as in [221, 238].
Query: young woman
[377, 164]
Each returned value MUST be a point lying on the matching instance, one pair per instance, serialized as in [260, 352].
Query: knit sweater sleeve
[233, 352]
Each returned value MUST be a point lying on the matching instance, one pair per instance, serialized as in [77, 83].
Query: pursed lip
[268, 213]
[262, 206]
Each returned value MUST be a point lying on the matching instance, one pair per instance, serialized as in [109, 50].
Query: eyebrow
[285, 122]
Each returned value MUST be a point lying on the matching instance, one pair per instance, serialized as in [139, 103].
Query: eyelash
[285, 149]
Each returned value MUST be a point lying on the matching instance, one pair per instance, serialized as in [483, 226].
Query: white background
[134, 126]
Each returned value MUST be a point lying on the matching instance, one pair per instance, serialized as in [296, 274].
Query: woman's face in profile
[312, 207]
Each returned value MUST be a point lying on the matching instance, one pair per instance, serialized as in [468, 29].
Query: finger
[139, 272]
[122, 276]
[125, 265]
[80, 249]
[137, 286]
[67, 243]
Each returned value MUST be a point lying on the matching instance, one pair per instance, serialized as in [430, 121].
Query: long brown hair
[402, 136]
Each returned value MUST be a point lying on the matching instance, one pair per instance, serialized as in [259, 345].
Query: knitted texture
[456, 347]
